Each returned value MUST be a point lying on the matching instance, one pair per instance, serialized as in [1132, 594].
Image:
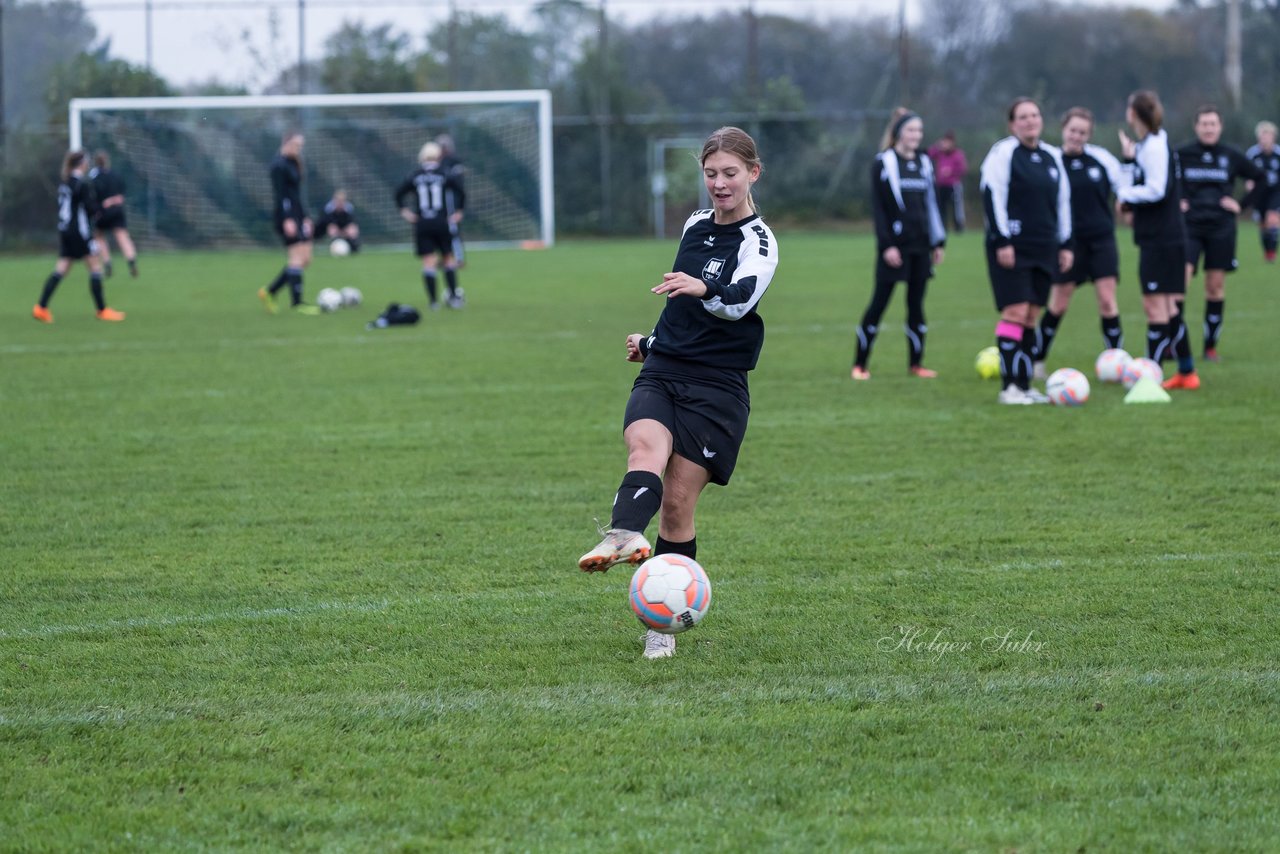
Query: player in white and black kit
[909, 237]
[452, 166]
[1027, 199]
[1264, 195]
[1209, 173]
[291, 223]
[1093, 173]
[339, 220]
[1150, 191]
[109, 188]
[687, 414]
[435, 195]
[77, 206]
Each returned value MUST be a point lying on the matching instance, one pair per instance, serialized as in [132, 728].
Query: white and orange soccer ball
[1067, 387]
[1109, 367]
[670, 593]
[1137, 369]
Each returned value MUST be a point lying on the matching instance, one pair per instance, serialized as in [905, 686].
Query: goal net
[196, 169]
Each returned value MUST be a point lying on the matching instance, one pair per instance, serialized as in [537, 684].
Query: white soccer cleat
[658, 645]
[1013, 396]
[618, 546]
[1037, 396]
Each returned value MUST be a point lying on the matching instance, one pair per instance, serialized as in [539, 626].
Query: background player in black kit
[1209, 172]
[1151, 189]
[339, 220]
[1264, 196]
[109, 188]
[291, 223]
[76, 208]
[909, 237]
[687, 414]
[436, 198]
[1027, 199]
[1093, 173]
[453, 167]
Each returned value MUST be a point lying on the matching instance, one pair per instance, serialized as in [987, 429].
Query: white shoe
[457, 299]
[1038, 371]
[618, 546]
[1013, 396]
[658, 645]
[1036, 396]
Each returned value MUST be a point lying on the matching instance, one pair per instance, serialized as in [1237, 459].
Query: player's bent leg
[682, 487]
[638, 498]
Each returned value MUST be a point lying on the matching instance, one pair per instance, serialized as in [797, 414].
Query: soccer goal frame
[538, 99]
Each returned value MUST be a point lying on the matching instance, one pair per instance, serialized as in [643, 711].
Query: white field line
[237, 616]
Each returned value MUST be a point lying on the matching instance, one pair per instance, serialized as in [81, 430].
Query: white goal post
[196, 168]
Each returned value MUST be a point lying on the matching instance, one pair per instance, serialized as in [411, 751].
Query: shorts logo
[708, 453]
[713, 269]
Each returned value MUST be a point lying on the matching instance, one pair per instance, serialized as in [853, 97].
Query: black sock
[95, 288]
[50, 285]
[638, 500]
[1270, 239]
[1048, 329]
[1181, 341]
[1022, 362]
[866, 333]
[1111, 332]
[354, 242]
[295, 285]
[666, 547]
[1009, 349]
[279, 281]
[1157, 341]
[429, 279]
[451, 281]
[106, 268]
[1213, 310]
[915, 343]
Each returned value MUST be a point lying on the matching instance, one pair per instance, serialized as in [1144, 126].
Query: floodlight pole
[1232, 71]
[147, 13]
[606, 167]
[302, 47]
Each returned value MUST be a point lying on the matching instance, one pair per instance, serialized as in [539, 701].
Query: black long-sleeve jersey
[77, 206]
[437, 194]
[106, 183]
[1027, 199]
[722, 329]
[334, 214]
[1209, 173]
[286, 185]
[903, 203]
[1151, 184]
[1265, 195]
[1094, 174]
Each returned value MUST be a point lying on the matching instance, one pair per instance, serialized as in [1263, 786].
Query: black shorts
[1217, 247]
[1026, 282]
[431, 238]
[1096, 258]
[1162, 269]
[111, 218]
[72, 245]
[916, 267]
[705, 409]
[301, 234]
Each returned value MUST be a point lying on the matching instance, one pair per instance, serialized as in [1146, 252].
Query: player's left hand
[1065, 259]
[675, 284]
[1230, 204]
[938, 254]
[633, 347]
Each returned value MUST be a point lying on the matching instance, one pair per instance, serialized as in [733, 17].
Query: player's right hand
[290, 228]
[408, 215]
[633, 347]
[1005, 257]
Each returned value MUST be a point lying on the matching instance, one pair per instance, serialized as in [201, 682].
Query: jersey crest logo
[1095, 174]
[1035, 157]
[713, 269]
[1053, 172]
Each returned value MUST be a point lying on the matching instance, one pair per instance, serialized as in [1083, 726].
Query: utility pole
[302, 47]
[602, 122]
[904, 64]
[453, 45]
[1232, 73]
[147, 13]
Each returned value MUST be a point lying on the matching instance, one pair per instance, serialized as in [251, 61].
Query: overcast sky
[197, 40]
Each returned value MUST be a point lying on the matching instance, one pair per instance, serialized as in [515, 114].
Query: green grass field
[280, 582]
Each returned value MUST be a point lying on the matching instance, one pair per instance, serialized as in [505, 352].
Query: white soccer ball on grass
[329, 299]
[339, 247]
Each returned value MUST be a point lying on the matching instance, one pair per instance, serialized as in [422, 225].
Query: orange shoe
[111, 314]
[923, 372]
[1190, 381]
[860, 373]
[1211, 354]
[42, 314]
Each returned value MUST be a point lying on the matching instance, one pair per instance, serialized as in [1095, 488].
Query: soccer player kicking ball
[687, 414]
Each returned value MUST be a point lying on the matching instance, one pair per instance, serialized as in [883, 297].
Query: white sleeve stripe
[996, 172]
[757, 259]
